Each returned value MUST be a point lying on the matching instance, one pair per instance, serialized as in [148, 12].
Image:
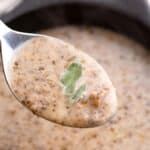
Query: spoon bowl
[55, 80]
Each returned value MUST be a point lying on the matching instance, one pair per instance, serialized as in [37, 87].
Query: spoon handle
[3, 29]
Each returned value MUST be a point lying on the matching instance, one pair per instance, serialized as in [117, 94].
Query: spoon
[81, 94]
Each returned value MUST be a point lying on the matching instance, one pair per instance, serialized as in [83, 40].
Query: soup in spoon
[61, 83]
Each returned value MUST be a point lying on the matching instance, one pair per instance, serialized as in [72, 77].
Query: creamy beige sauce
[35, 77]
[128, 65]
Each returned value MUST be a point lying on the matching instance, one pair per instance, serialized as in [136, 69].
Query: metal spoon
[10, 40]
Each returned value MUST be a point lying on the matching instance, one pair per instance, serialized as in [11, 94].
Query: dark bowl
[130, 17]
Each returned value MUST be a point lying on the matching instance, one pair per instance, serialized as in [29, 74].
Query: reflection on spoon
[59, 82]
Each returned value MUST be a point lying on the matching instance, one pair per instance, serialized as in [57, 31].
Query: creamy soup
[128, 65]
[61, 83]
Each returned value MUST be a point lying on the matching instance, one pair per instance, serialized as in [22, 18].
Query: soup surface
[61, 83]
[128, 65]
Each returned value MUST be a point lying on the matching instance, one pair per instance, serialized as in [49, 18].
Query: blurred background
[138, 8]
[131, 17]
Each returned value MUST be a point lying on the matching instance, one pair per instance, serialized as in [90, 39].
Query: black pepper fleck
[53, 62]
[41, 68]
[16, 63]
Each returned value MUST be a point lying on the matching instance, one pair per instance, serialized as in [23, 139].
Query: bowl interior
[82, 14]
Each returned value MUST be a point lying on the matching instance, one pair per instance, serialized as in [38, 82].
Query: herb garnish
[70, 77]
[78, 93]
[69, 80]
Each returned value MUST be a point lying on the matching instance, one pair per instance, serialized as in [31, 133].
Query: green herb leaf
[78, 93]
[69, 79]
[71, 76]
